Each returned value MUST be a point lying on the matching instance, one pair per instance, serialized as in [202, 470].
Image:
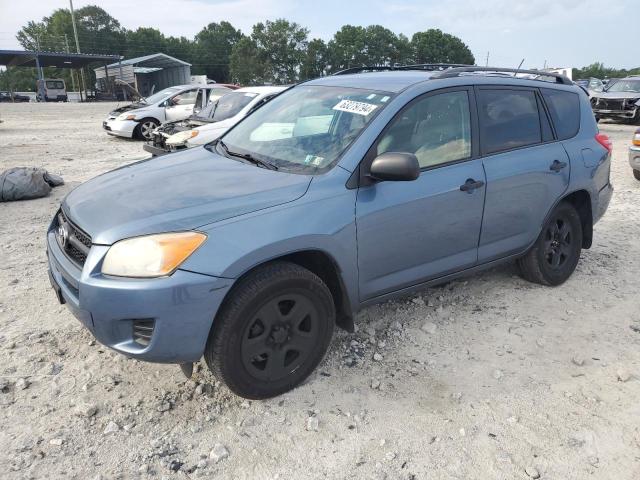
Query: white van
[51, 90]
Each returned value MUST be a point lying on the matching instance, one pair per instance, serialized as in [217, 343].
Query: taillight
[605, 141]
[636, 138]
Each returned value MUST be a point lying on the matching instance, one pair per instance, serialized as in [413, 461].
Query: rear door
[410, 232]
[527, 170]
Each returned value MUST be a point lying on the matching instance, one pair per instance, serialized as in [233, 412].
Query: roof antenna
[517, 69]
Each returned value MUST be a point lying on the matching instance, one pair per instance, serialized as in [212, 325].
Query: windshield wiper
[248, 157]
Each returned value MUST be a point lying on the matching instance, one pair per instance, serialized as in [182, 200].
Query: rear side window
[508, 119]
[565, 111]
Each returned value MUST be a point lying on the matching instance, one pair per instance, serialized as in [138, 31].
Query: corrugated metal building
[146, 74]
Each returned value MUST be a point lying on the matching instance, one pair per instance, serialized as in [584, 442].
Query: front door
[410, 232]
[180, 106]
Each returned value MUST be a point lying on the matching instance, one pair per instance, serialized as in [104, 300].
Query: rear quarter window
[564, 108]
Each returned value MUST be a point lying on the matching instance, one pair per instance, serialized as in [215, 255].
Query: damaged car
[140, 118]
[212, 122]
[620, 101]
[157, 144]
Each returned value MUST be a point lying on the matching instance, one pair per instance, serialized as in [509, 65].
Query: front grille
[75, 244]
[142, 331]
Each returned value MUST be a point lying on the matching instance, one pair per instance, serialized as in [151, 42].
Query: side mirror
[395, 166]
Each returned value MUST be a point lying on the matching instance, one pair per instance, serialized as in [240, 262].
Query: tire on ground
[536, 265]
[233, 324]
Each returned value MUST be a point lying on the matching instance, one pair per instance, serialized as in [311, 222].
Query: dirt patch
[487, 377]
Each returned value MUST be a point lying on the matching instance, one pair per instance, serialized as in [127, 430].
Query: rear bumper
[604, 198]
[634, 158]
[181, 307]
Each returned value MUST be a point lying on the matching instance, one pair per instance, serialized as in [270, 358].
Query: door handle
[556, 166]
[470, 185]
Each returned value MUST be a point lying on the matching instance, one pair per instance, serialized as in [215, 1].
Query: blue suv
[339, 193]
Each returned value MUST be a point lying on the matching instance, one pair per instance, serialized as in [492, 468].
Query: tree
[435, 46]
[314, 63]
[281, 45]
[246, 63]
[213, 47]
[347, 48]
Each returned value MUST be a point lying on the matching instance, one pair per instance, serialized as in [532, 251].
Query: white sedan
[229, 110]
[140, 119]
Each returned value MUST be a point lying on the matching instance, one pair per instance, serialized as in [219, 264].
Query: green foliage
[212, 50]
[278, 52]
[598, 70]
[435, 46]
[281, 47]
[246, 63]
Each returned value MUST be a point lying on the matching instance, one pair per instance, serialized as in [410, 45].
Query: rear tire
[555, 254]
[636, 173]
[272, 331]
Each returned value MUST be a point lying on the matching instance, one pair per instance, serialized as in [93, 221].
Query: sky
[558, 33]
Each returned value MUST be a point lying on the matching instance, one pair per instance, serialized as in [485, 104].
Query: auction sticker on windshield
[351, 106]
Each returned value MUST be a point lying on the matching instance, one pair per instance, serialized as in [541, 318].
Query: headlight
[181, 137]
[126, 116]
[152, 255]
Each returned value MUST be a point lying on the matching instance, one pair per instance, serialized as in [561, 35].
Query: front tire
[636, 173]
[555, 254]
[272, 331]
[145, 128]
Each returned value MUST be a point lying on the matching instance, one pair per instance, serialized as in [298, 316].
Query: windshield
[306, 128]
[230, 104]
[625, 86]
[162, 95]
[206, 113]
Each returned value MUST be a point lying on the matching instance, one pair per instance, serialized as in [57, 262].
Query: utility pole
[73, 77]
[75, 34]
[486, 63]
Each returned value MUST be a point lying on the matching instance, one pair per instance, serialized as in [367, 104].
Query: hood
[616, 95]
[126, 108]
[180, 191]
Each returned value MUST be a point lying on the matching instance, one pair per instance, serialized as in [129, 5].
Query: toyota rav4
[339, 193]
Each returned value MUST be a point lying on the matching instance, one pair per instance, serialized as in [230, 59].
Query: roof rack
[427, 67]
[457, 71]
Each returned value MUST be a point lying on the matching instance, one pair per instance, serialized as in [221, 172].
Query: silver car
[620, 101]
[634, 154]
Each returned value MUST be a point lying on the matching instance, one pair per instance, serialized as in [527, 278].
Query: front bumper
[153, 150]
[181, 307]
[634, 158]
[624, 114]
[120, 128]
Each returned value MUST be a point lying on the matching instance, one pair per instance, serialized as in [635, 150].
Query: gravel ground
[488, 377]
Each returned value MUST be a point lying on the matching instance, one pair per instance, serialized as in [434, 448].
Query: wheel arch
[324, 266]
[581, 201]
[137, 129]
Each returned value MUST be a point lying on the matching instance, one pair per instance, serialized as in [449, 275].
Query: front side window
[508, 119]
[185, 98]
[305, 129]
[436, 129]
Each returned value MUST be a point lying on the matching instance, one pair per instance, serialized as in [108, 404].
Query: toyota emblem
[63, 233]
